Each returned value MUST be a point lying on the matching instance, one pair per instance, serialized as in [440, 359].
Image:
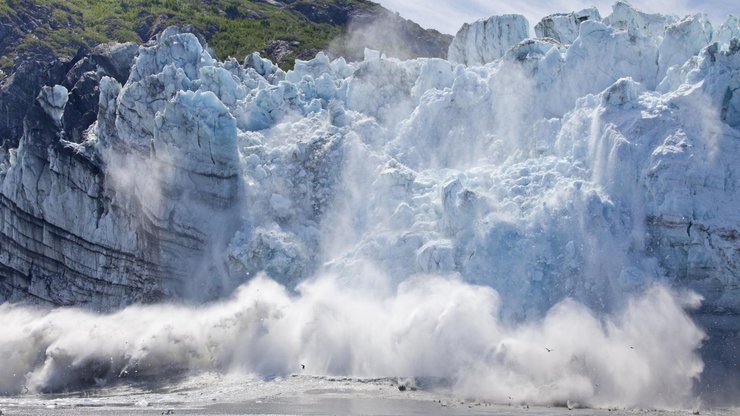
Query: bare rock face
[19, 91]
[338, 13]
[82, 108]
[17, 94]
[115, 58]
[15, 26]
[394, 36]
[370, 26]
[278, 50]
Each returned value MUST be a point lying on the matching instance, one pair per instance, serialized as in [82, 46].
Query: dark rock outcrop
[79, 75]
[115, 59]
[83, 107]
[391, 34]
[337, 14]
[18, 91]
[15, 26]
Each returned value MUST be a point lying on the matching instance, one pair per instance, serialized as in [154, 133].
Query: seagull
[548, 350]
[303, 366]
[632, 348]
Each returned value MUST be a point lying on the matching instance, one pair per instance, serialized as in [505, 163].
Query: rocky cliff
[280, 30]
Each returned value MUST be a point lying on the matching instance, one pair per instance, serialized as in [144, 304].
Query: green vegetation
[232, 27]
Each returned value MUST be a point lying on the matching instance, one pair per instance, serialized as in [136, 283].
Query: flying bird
[548, 350]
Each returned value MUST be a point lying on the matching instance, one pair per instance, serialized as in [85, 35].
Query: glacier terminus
[540, 219]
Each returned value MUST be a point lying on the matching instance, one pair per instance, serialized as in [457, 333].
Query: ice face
[727, 31]
[487, 40]
[563, 27]
[637, 23]
[484, 205]
[683, 40]
[53, 99]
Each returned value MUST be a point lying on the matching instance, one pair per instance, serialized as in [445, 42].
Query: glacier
[427, 217]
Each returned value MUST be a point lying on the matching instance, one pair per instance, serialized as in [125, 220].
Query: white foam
[428, 326]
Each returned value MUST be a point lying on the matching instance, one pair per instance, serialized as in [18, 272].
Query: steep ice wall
[683, 40]
[559, 182]
[129, 214]
[487, 39]
[727, 31]
[588, 167]
[637, 23]
[563, 27]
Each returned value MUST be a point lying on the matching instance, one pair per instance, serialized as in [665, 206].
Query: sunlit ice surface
[494, 229]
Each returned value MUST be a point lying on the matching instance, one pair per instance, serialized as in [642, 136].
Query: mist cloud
[431, 326]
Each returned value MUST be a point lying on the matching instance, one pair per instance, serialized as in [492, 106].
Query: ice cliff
[587, 162]
[464, 211]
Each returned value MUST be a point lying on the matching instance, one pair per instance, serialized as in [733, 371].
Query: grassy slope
[238, 27]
